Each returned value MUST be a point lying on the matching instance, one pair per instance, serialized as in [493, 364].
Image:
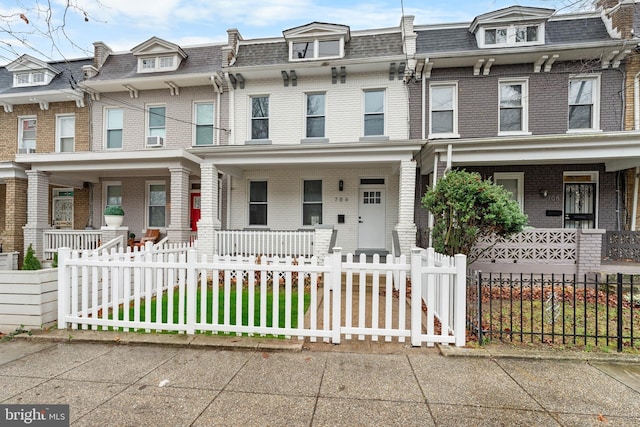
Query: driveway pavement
[126, 380]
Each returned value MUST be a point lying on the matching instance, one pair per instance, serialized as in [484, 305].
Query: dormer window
[513, 35]
[34, 78]
[316, 41]
[30, 71]
[157, 63]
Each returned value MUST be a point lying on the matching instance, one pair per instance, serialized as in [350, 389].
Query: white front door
[372, 219]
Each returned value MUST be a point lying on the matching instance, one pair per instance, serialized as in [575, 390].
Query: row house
[45, 113]
[147, 108]
[533, 101]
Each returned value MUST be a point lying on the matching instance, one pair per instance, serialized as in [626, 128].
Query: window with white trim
[258, 203]
[513, 182]
[112, 193]
[157, 120]
[156, 204]
[584, 103]
[312, 202]
[114, 124]
[316, 49]
[152, 64]
[65, 133]
[513, 35]
[27, 133]
[374, 112]
[260, 117]
[315, 115]
[443, 107]
[32, 78]
[204, 117]
[513, 117]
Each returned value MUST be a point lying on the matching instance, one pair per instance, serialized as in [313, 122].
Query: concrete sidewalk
[170, 380]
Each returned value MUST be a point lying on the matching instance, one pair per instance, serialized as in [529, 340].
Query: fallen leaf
[602, 418]
[265, 355]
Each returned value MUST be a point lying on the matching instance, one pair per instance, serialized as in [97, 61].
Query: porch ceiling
[238, 158]
[617, 150]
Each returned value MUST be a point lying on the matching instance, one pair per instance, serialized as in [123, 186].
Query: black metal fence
[555, 309]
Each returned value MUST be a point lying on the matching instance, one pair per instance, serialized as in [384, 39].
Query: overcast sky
[122, 24]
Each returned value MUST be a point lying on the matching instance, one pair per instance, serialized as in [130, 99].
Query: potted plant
[113, 215]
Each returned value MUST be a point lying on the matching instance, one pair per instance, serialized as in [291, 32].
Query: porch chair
[152, 235]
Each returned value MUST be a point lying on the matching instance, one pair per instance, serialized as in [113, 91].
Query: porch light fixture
[285, 78]
[543, 193]
[341, 185]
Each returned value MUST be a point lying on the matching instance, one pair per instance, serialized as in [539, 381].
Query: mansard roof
[67, 73]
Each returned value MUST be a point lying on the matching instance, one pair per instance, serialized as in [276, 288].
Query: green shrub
[30, 261]
[114, 210]
[54, 263]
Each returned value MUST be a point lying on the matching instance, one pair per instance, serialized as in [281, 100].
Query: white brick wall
[344, 108]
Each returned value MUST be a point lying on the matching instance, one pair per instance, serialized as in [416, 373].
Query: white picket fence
[174, 290]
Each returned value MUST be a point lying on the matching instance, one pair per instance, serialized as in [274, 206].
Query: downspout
[634, 209]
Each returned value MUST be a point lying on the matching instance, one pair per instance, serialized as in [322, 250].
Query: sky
[123, 24]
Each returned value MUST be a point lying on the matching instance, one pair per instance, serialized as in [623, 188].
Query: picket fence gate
[175, 290]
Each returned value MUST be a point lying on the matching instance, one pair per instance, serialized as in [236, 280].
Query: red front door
[195, 211]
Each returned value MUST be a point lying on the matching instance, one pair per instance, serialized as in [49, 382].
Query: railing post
[416, 296]
[192, 259]
[619, 313]
[336, 288]
[63, 283]
[479, 314]
[460, 300]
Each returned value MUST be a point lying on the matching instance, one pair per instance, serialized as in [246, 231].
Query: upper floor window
[260, 117]
[157, 63]
[258, 203]
[584, 103]
[315, 115]
[204, 116]
[513, 107]
[443, 102]
[157, 121]
[374, 112]
[27, 134]
[513, 35]
[65, 133]
[114, 124]
[33, 78]
[317, 49]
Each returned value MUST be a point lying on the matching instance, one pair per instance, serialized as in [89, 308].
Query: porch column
[209, 221]
[37, 211]
[406, 227]
[178, 229]
[15, 214]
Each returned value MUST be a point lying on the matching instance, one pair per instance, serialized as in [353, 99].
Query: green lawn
[221, 311]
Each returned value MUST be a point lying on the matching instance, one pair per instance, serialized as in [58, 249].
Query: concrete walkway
[169, 380]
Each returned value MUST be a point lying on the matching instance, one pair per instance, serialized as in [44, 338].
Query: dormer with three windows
[510, 27]
[316, 41]
[157, 55]
[28, 71]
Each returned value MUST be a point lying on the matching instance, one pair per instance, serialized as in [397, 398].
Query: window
[373, 112]
[513, 107]
[443, 105]
[315, 115]
[157, 63]
[316, 49]
[584, 111]
[65, 133]
[149, 63]
[258, 203]
[33, 78]
[166, 61]
[513, 182]
[204, 116]
[260, 117]
[157, 204]
[112, 194]
[27, 134]
[312, 202]
[37, 77]
[114, 128]
[21, 79]
[157, 121]
[512, 35]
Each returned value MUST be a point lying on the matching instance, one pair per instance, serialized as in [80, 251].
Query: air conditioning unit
[26, 150]
[155, 141]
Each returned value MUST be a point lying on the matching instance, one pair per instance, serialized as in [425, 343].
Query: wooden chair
[152, 235]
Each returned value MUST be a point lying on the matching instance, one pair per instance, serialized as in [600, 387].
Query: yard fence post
[416, 296]
[192, 259]
[336, 287]
[63, 283]
[460, 299]
[479, 308]
[619, 313]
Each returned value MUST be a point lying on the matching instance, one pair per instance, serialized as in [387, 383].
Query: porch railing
[265, 242]
[80, 240]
